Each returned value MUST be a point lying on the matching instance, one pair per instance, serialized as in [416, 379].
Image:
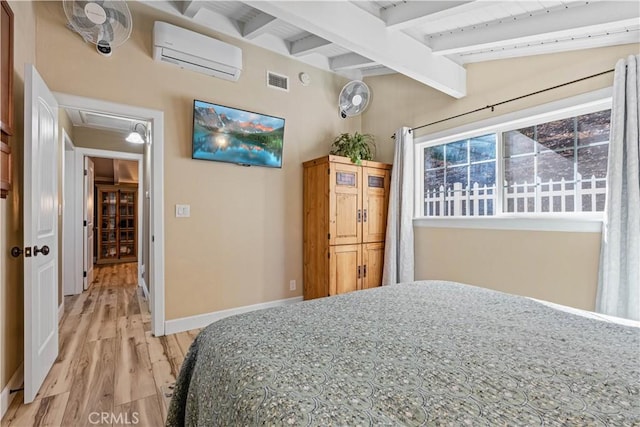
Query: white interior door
[40, 232]
[88, 218]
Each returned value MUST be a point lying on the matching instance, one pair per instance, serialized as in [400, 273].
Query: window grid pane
[566, 171]
[460, 177]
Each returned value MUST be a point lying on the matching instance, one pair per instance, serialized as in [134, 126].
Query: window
[555, 166]
[460, 177]
[558, 166]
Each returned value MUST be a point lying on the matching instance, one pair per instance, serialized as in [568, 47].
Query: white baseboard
[61, 310]
[145, 290]
[201, 320]
[5, 397]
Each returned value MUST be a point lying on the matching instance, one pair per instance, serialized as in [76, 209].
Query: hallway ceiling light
[137, 136]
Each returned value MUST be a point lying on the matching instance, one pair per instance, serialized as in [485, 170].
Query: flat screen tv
[231, 135]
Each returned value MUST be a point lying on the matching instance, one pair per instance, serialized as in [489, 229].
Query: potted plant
[357, 147]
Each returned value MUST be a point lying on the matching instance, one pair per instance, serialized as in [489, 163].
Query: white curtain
[398, 250]
[619, 279]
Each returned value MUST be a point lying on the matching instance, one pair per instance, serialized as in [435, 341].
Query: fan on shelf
[107, 24]
[353, 99]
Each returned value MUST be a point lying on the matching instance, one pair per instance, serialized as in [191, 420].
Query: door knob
[44, 250]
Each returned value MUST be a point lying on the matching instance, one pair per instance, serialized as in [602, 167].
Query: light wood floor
[108, 362]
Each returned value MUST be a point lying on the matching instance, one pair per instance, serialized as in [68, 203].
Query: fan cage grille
[115, 30]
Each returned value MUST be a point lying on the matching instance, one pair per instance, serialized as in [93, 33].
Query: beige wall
[11, 269]
[104, 140]
[557, 266]
[243, 242]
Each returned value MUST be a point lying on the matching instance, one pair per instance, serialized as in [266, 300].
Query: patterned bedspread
[426, 353]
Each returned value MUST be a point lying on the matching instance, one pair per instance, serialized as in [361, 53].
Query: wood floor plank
[163, 348]
[92, 390]
[83, 303]
[72, 338]
[165, 374]
[142, 412]
[46, 411]
[185, 339]
[143, 304]
[133, 376]
[103, 324]
[128, 301]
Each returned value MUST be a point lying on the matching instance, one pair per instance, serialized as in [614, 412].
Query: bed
[424, 353]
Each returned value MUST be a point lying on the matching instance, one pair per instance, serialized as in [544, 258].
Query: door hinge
[84, 223]
[86, 172]
[329, 255]
[329, 236]
[329, 171]
[84, 274]
[153, 238]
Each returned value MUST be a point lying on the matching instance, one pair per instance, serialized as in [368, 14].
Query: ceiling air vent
[277, 81]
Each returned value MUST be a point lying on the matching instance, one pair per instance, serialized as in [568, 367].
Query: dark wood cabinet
[117, 224]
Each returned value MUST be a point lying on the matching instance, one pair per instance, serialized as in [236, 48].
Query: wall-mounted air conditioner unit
[196, 52]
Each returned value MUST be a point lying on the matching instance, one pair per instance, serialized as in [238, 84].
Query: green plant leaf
[356, 147]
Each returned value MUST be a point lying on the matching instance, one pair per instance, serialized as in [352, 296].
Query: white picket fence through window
[548, 196]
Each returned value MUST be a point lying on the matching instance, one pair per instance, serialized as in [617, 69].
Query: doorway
[149, 201]
[115, 214]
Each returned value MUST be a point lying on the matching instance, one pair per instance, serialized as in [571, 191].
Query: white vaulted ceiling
[429, 41]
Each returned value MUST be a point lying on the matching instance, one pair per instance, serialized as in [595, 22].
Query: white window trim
[556, 223]
[569, 107]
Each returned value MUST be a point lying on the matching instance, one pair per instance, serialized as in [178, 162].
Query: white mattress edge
[589, 314]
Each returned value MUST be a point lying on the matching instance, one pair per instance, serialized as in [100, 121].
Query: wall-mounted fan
[107, 24]
[354, 98]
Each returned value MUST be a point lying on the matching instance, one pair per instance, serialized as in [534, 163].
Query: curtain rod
[492, 106]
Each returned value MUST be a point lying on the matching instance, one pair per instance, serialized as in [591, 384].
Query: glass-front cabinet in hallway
[117, 224]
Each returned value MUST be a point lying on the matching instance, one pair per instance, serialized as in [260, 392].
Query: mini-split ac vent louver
[277, 81]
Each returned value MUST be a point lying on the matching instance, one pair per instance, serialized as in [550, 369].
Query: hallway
[110, 370]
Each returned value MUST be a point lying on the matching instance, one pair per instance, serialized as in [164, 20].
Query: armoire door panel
[346, 204]
[375, 183]
[344, 263]
[372, 263]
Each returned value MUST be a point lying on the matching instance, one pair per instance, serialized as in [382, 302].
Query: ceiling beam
[561, 23]
[258, 25]
[376, 71]
[307, 45]
[336, 22]
[203, 16]
[191, 7]
[412, 14]
[550, 46]
[349, 61]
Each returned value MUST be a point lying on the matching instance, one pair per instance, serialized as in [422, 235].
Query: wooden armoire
[345, 222]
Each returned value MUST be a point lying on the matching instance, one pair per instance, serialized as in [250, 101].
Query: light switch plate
[183, 211]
